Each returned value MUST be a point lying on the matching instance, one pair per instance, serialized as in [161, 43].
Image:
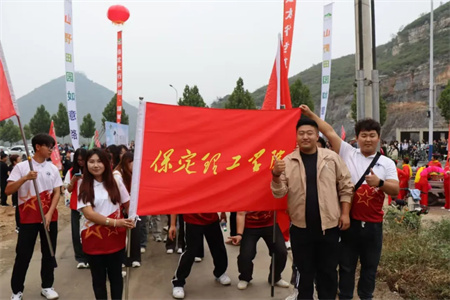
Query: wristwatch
[381, 183]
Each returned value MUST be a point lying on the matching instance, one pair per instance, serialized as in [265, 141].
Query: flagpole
[127, 280]
[47, 235]
[274, 235]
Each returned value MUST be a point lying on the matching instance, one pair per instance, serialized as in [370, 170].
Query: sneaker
[178, 292]
[17, 296]
[198, 259]
[135, 264]
[169, 251]
[282, 283]
[17, 230]
[288, 245]
[124, 273]
[224, 279]
[442, 207]
[179, 251]
[142, 249]
[166, 228]
[242, 284]
[165, 239]
[158, 239]
[292, 296]
[49, 293]
[81, 265]
[87, 265]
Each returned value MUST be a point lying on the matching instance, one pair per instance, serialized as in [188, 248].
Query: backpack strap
[361, 180]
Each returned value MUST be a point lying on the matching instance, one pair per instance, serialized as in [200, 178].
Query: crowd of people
[335, 203]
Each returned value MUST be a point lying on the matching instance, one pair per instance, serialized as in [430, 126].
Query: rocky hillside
[404, 70]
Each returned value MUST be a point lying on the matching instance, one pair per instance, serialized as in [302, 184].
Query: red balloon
[118, 14]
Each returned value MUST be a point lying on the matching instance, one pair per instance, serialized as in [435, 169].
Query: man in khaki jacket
[319, 189]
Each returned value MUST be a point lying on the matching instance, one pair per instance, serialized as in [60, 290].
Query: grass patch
[415, 261]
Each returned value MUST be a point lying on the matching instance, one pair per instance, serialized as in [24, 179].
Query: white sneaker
[169, 251]
[49, 293]
[158, 239]
[178, 292]
[443, 207]
[242, 284]
[81, 265]
[17, 296]
[293, 296]
[142, 249]
[282, 283]
[288, 245]
[224, 279]
[179, 251]
[135, 264]
[198, 259]
[124, 273]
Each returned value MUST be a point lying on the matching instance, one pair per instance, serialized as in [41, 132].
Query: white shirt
[357, 164]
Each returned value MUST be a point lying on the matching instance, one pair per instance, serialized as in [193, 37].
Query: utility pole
[431, 98]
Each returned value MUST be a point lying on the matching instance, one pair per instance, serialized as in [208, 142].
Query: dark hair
[306, 121]
[114, 150]
[42, 139]
[367, 124]
[13, 158]
[406, 160]
[122, 146]
[3, 155]
[76, 167]
[109, 183]
[321, 140]
[122, 167]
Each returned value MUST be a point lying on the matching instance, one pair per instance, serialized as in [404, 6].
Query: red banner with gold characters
[119, 77]
[288, 30]
[199, 160]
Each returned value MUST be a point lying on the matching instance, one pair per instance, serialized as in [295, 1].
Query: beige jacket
[334, 185]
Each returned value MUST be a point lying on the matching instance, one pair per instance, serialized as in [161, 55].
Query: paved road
[152, 279]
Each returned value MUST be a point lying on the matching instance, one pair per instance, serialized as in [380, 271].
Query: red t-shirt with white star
[99, 238]
[47, 179]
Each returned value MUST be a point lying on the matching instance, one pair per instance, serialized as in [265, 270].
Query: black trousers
[316, 255]
[180, 236]
[135, 245]
[247, 251]
[107, 265]
[233, 224]
[76, 239]
[24, 252]
[3, 196]
[194, 241]
[363, 241]
[15, 201]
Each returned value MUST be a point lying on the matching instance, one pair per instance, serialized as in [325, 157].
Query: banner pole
[274, 238]
[41, 210]
[127, 279]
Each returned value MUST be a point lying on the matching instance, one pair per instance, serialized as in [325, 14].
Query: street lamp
[176, 93]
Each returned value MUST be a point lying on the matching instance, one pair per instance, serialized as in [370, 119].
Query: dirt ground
[8, 239]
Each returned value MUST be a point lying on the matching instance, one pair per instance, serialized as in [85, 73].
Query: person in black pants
[15, 159]
[258, 224]
[4, 170]
[197, 226]
[319, 189]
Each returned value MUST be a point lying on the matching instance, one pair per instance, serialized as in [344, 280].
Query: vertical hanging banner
[56, 156]
[70, 75]
[288, 30]
[326, 63]
[119, 77]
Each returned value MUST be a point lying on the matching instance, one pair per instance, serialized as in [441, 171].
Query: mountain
[91, 98]
[404, 72]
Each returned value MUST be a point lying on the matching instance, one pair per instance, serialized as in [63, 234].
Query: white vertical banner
[326, 58]
[70, 75]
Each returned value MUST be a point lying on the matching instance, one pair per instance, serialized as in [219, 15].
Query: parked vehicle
[4, 149]
[20, 150]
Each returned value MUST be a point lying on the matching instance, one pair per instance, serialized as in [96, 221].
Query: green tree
[300, 94]
[444, 102]
[87, 128]
[61, 121]
[240, 98]
[383, 109]
[110, 112]
[27, 131]
[40, 122]
[10, 132]
[192, 97]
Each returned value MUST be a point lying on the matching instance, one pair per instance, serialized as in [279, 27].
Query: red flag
[8, 106]
[56, 156]
[218, 169]
[288, 31]
[343, 133]
[277, 98]
[97, 141]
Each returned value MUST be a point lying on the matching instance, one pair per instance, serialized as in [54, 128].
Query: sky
[205, 43]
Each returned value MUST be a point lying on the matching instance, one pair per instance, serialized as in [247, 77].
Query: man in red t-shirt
[252, 226]
[197, 226]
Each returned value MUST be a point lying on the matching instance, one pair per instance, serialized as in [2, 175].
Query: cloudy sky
[205, 43]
